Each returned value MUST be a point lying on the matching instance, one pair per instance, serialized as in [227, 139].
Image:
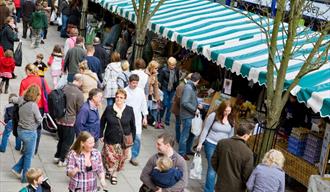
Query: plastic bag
[63, 81]
[18, 55]
[196, 167]
[197, 125]
[53, 16]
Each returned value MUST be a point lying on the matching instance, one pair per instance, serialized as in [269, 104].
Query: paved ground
[128, 180]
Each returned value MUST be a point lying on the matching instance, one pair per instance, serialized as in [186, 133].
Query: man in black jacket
[101, 53]
[27, 10]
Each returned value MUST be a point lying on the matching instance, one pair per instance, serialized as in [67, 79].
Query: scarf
[118, 110]
[171, 80]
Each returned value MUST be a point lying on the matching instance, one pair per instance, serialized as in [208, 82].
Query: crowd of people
[150, 94]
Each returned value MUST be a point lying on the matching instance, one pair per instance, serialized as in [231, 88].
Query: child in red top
[7, 67]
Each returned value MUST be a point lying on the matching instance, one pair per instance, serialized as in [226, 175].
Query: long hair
[219, 114]
[32, 93]
[82, 137]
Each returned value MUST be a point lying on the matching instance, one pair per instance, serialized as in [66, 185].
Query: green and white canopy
[231, 40]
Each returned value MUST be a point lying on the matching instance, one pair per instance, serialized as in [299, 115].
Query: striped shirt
[84, 180]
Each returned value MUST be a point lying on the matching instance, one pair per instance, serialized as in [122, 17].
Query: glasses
[120, 97]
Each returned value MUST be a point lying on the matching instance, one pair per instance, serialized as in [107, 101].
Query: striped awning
[232, 40]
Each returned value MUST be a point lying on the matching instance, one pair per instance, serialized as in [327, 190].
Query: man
[74, 100]
[73, 57]
[93, 62]
[188, 110]
[169, 80]
[164, 145]
[88, 118]
[114, 35]
[65, 11]
[27, 10]
[136, 99]
[101, 53]
[233, 161]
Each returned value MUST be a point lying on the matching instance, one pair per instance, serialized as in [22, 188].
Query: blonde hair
[32, 69]
[152, 65]
[32, 93]
[82, 138]
[125, 65]
[115, 57]
[171, 61]
[9, 53]
[83, 65]
[121, 91]
[164, 163]
[274, 157]
[33, 174]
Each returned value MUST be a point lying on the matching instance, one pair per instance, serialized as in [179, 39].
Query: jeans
[110, 101]
[36, 37]
[39, 133]
[168, 96]
[65, 140]
[5, 137]
[29, 138]
[209, 149]
[18, 14]
[177, 128]
[136, 146]
[65, 19]
[186, 137]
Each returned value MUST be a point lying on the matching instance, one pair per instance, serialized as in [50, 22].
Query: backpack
[15, 117]
[56, 103]
[125, 81]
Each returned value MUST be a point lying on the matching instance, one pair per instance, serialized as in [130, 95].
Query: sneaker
[134, 162]
[56, 160]
[62, 164]
[18, 175]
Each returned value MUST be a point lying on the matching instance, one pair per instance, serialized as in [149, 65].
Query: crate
[312, 159]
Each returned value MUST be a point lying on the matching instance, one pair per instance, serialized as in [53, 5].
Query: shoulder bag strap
[44, 87]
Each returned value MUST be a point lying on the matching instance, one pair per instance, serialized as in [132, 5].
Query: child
[164, 175]
[39, 22]
[42, 67]
[36, 181]
[56, 63]
[9, 126]
[7, 67]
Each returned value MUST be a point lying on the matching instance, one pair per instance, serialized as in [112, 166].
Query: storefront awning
[232, 40]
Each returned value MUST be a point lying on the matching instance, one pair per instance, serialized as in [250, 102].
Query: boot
[1, 85]
[6, 88]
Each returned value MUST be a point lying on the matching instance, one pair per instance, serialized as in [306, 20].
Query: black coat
[164, 76]
[27, 10]
[103, 56]
[8, 36]
[110, 128]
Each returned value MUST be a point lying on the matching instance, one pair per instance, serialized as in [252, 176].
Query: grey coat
[188, 101]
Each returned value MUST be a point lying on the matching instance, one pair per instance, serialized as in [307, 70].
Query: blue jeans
[136, 146]
[29, 139]
[186, 137]
[5, 137]
[70, 77]
[209, 149]
[177, 128]
[110, 101]
[168, 96]
[65, 19]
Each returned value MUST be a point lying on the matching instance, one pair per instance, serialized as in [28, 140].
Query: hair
[140, 63]
[90, 48]
[9, 53]
[31, 68]
[39, 7]
[11, 96]
[134, 77]
[172, 61]
[32, 93]
[96, 41]
[83, 65]
[57, 49]
[167, 138]
[195, 77]
[79, 39]
[244, 128]
[40, 56]
[164, 163]
[188, 76]
[125, 65]
[93, 92]
[74, 32]
[274, 157]
[221, 109]
[121, 91]
[115, 57]
[82, 137]
[78, 77]
[33, 174]
[8, 19]
[152, 65]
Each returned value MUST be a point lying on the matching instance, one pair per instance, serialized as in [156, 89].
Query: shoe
[6, 91]
[186, 157]
[24, 37]
[62, 164]
[167, 123]
[134, 162]
[2, 151]
[113, 180]
[18, 175]
[42, 42]
[56, 160]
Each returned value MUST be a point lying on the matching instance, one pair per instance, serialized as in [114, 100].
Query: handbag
[127, 139]
[18, 55]
[197, 125]
[48, 123]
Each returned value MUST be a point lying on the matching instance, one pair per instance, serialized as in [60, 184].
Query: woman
[71, 40]
[152, 92]
[90, 79]
[110, 78]
[122, 79]
[30, 119]
[218, 125]
[9, 34]
[32, 77]
[84, 165]
[117, 119]
[269, 175]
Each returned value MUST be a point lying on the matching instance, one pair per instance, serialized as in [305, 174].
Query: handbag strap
[121, 127]
[44, 87]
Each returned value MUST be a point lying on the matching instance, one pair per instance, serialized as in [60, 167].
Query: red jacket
[28, 81]
[7, 64]
[2, 53]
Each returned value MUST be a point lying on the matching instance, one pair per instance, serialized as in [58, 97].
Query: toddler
[56, 63]
[42, 67]
[36, 181]
[7, 67]
[164, 175]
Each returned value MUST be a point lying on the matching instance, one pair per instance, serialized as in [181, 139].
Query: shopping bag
[59, 20]
[63, 81]
[48, 123]
[197, 125]
[18, 55]
[196, 167]
[53, 16]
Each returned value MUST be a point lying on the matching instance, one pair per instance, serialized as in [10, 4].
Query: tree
[143, 14]
[277, 93]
